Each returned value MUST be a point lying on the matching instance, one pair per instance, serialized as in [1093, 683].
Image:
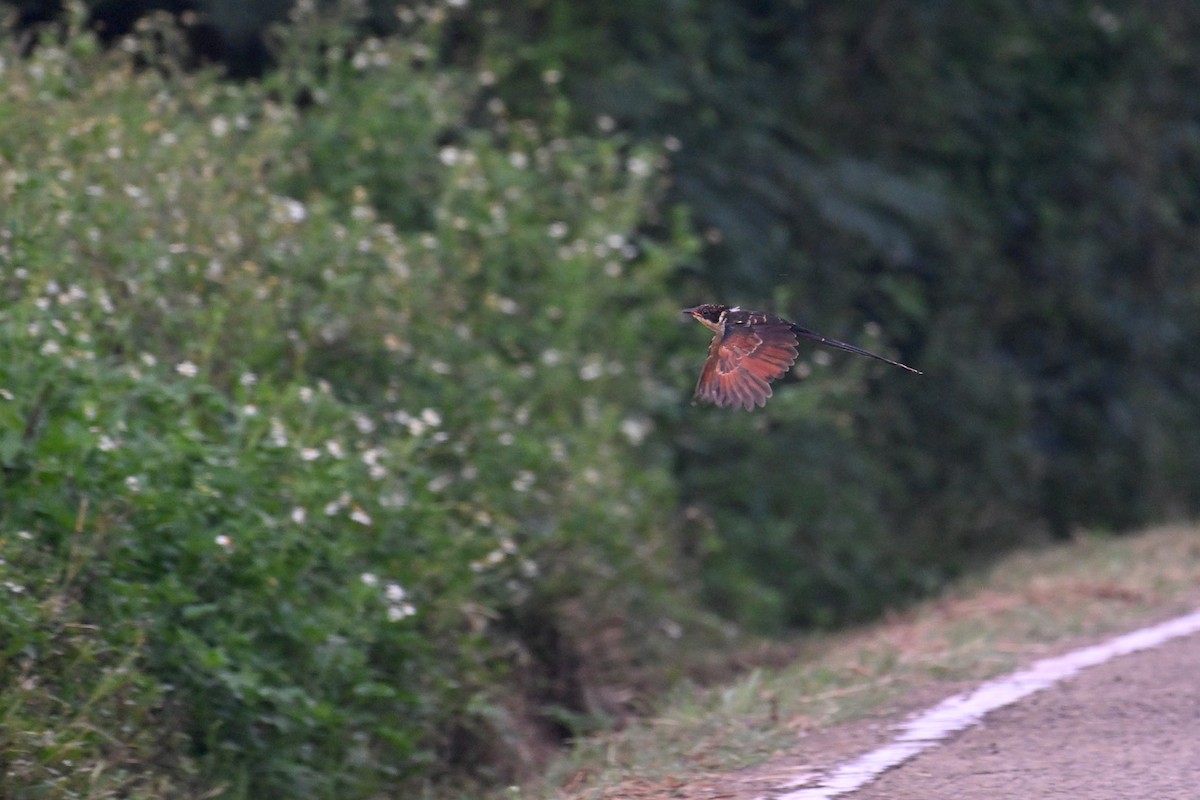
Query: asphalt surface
[1123, 730]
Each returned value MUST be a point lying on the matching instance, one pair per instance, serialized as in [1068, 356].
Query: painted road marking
[964, 710]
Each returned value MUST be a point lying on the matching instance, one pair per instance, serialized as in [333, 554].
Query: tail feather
[849, 348]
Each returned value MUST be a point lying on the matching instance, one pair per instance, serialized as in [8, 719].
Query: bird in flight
[750, 349]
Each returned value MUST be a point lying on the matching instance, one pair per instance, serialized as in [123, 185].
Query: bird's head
[709, 314]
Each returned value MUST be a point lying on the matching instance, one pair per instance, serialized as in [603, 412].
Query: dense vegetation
[344, 436]
[290, 482]
[1007, 189]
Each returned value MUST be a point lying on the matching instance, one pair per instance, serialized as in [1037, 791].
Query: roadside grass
[1028, 605]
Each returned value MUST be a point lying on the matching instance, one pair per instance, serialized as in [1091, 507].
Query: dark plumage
[749, 350]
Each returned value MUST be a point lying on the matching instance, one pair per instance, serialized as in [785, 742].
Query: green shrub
[318, 418]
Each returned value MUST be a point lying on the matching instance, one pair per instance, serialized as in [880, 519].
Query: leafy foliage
[311, 432]
[1001, 188]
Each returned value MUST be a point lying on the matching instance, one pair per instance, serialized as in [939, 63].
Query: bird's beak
[691, 311]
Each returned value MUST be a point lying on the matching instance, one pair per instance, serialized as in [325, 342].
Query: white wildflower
[524, 481]
[636, 429]
[394, 500]
[288, 210]
[505, 305]
[638, 167]
[278, 436]
[592, 368]
[399, 612]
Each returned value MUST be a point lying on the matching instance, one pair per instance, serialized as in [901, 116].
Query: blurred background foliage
[344, 436]
[1006, 189]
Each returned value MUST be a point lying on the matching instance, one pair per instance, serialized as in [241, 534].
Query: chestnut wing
[742, 361]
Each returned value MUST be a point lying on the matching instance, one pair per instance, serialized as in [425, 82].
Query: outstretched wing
[752, 351]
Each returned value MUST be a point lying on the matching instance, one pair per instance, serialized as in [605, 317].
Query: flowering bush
[314, 416]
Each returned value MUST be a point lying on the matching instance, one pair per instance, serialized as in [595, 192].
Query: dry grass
[1030, 605]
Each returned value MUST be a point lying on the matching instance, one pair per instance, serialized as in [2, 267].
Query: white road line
[963, 710]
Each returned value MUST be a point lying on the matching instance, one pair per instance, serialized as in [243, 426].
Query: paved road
[1128, 729]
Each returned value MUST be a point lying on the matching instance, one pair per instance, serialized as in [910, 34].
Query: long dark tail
[849, 348]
